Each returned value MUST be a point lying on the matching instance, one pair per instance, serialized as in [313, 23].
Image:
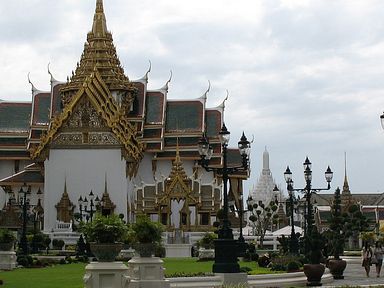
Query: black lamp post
[294, 242]
[308, 190]
[226, 248]
[240, 211]
[24, 190]
[83, 204]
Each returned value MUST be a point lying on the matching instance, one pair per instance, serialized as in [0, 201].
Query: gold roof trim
[100, 97]
[177, 184]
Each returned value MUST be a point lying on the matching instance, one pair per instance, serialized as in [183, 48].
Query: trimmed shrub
[25, 261]
[264, 260]
[293, 266]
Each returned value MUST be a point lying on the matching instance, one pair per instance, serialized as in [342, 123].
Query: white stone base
[7, 260]
[234, 278]
[205, 254]
[106, 275]
[147, 272]
[178, 250]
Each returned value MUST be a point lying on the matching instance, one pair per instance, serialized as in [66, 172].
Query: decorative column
[106, 275]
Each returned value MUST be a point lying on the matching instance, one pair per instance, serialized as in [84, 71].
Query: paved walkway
[354, 275]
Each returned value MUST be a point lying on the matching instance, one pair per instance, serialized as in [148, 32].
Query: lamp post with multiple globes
[226, 248]
[308, 190]
[83, 206]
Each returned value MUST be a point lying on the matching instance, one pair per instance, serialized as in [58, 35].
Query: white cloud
[305, 77]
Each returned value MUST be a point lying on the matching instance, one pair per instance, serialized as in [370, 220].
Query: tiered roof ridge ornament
[99, 51]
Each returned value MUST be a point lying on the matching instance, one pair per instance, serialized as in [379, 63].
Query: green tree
[263, 217]
[337, 233]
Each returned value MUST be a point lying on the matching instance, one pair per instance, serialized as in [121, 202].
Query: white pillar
[106, 275]
[147, 272]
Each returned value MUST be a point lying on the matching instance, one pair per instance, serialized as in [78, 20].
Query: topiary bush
[293, 266]
[264, 260]
[24, 260]
[208, 240]
[250, 253]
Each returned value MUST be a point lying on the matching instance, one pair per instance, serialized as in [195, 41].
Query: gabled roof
[154, 107]
[184, 116]
[41, 106]
[99, 95]
[15, 116]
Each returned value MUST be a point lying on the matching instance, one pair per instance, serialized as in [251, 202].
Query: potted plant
[314, 270]
[7, 240]
[105, 234]
[145, 235]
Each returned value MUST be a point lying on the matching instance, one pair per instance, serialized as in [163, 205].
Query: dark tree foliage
[263, 217]
[343, 225]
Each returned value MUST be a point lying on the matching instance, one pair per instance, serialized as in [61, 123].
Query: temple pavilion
[100, 141]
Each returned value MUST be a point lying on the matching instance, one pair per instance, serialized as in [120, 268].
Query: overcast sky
[304, 77]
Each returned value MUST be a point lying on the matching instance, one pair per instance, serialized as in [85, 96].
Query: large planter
[6, 246]
[337, 267]
[314, 272]
[106, 252]
[145, 249]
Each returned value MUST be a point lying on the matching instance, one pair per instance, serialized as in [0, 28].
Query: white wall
[84, 170]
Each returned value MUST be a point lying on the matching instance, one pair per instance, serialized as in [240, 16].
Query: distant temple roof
[265, 184]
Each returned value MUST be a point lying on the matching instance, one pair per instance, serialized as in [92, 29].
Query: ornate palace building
[101, 136]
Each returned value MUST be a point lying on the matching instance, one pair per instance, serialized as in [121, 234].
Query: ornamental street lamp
[24, 190]
[294, 242]
[83, 206]
[240, 212]
[226, 248]
[308, 190]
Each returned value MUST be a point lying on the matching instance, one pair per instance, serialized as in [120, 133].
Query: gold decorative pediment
[101, 104]
[177, 185]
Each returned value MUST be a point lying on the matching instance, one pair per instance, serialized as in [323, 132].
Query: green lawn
[59, 276]
[191, 265]
[71, 275]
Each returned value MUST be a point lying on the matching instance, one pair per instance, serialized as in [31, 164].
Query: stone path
[354, 275]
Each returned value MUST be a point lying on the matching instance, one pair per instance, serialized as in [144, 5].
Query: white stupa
[265, 184]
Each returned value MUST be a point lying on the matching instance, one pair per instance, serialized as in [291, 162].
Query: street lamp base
[226, 251]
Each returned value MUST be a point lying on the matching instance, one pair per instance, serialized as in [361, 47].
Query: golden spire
[65, 187]
[99, 27]
[177, 165]
[99, 52]
[105, 184]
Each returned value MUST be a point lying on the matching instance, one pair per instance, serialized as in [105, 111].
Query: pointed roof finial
[105, 184]
[204, 97]
[346, 185]
[165, 87]
[50, 74]
[65, 186]
[34, 89]
[99, 6]
[222, 105]
[99, 27]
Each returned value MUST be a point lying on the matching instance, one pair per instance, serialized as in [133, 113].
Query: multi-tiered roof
[139, 118]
